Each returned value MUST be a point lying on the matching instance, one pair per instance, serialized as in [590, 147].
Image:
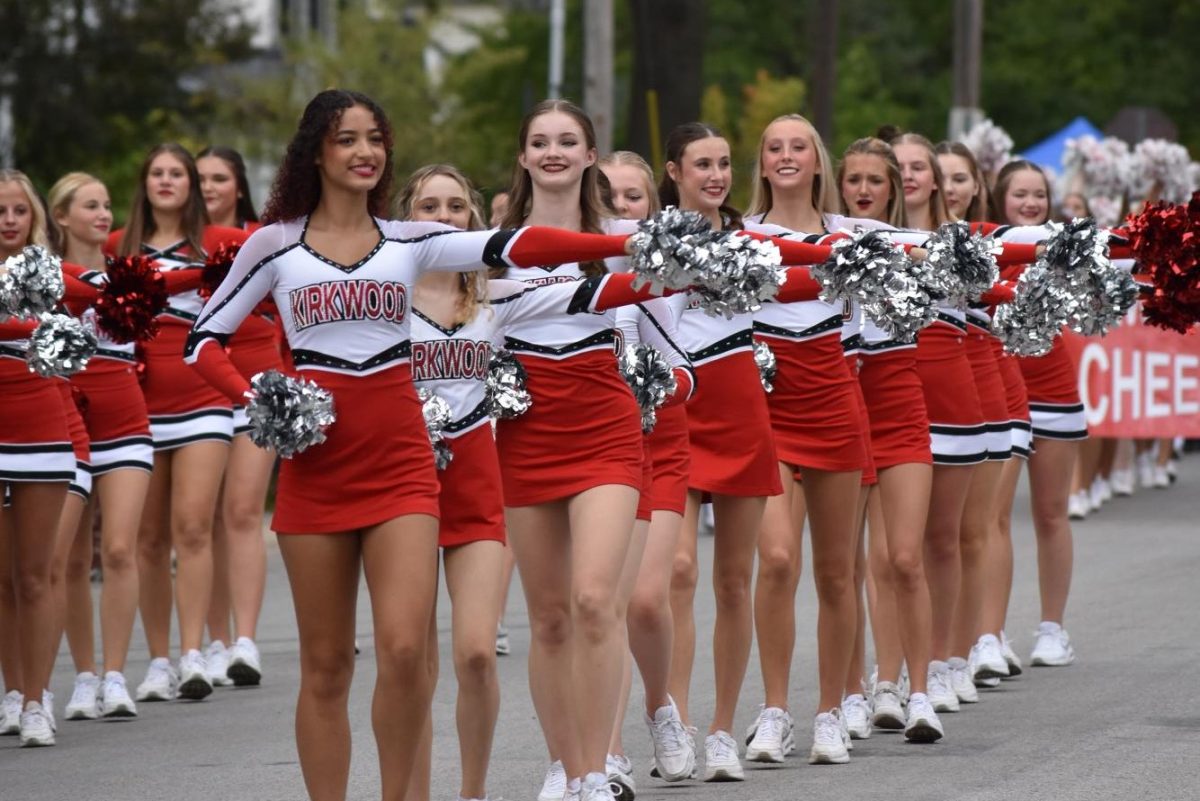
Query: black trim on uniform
[128, 464]
[447, 331]
[581, 301]
[493, 251]
[472, 417]
[824, 327]
[742, 339]
[183, 417]
[960, 459]
[853, 343]
[345, 268]
[203, 318]
[197, 336]
[949, 319]
[312, 358]
[179, 442]
[605, 337]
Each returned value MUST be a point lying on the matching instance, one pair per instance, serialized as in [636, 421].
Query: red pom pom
[216, 267]
[131, 300]
[1166, 243]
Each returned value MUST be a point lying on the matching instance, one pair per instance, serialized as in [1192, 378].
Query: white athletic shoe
[829, 743]
[48, 709]
[1145, 470]
[721, 763]
[1123, 484]
[1162, 479]
[987, 659]
[554, 786]
[216, 662]
[923, 725]
[856, 712]
[114, 697]
[245, 668]
[774, 727]
[595, 788]
[960, 681]
[36, 729]
[674, 751]
[1052, 648]
[160, 683]
[10, 712]
[502, 646]
[84, 703]
[194, 683]
[620, 772]
[1010, 656]
[889, 712]
[1078, 505]
[939, 688]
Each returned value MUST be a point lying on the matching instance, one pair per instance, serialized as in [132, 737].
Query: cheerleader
[37, 464]
[818, 438]
[872, 189]
[645, 584]
[1023, 198]
[239, 551]
[369, 493]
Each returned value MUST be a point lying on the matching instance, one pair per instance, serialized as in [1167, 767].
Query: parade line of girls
[918, 444]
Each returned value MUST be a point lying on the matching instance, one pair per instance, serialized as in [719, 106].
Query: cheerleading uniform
[183, 408]
[989, 382]
[348, 328]
[1016, 399]
[35, 440]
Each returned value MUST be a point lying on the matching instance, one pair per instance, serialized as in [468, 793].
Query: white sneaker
[620, 772]
[1106, 492]
[596, 788]
[502, 646]
[940, 690]
[194, 683]
[216, 662]
[1145, 470]
[160, 683]
[674, 751]
[774, 727]
[10, 712]
[829, 747]
[554, 786]
[1078, 505]
[114, 698]
[245, 667]
[721, 763]
[84, 703]
[889, 712]
[35, 727]
[960, 681]
[48, 709]
[987, 659]
[923, 725]
[856, 712]
[1052, 648]
[1162, 479]
[1010, 656]
[1123, 484]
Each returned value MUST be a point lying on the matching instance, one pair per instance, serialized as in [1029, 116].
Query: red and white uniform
[183, 408]
[348, 329]
[35, 441]
[989, 383]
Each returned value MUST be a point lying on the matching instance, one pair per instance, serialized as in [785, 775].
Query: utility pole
[558, 25]
[598, 69]
[825, 73]
[965, 111]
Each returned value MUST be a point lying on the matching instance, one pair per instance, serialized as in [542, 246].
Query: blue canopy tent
[1049, 151]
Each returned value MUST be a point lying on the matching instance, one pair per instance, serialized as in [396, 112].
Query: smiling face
[88, 218]
[916, 174]
[442, 199]
[556, 151]
[219, 185]
[1027, 199]
[958, 183]
[788, 160]
[630, 194]
[703, 174]
[354, 153]
[167, 183]
[16, 218]
[866, 188]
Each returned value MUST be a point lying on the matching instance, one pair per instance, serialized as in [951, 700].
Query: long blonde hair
[980, 207]
[60, 198]
[38, 231]
[473, 290]
[897, 216]
[824, 192]
[938, 210]
[627, 158]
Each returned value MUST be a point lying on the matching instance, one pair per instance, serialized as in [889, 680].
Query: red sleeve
[214, 364]
[217, 235]
[792, 251]
[618, 290]
[17, 329]
[984, 228]
[683, 388]
[114, 242]
[540, 245]
[999, 294]
[1013, 272]
[1017, 253]
[798, 286]
[182, 280]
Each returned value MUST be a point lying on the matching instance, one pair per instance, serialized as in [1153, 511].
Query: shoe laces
[672, 735]
[771, 725]
[556, 777]
[720, 747]
[827, 729]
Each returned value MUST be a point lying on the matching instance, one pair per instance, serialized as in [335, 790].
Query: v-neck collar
[346, 268]
[447, 331]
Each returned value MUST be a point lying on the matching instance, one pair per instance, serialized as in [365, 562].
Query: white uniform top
[654, 322]
[106, 348]
[351, 319]
[799, 321]
[182, 307]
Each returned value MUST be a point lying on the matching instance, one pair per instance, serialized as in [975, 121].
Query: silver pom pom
[1029, 324]
[31, 283]
[651, 378]
[663, 249]
[60, 346]
[287, 414]
[899, 295]
[437, 416]
[1077, 255]
[964, 263]
[737, 274]
[506, 392]
[764, 357]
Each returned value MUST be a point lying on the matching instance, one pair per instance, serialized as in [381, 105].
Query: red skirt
[993, 397]
[957, 432]
[118, 426]
[375, 464]
[645, 501]
[814, 413]
[472, 507]
[184, 408]
[672, 460]
[35, 442]
[1052, 382]
[729, 430]
[583, 430]
[1017, 401]
[81, 485]
[895, 402]
[869, 476]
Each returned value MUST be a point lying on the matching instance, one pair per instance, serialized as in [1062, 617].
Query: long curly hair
[297, 187]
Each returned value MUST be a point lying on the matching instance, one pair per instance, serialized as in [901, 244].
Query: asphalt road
[1122, 723]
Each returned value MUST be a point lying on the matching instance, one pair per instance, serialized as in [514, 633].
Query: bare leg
[905, 492]
[154, 560]
[36, 510]
[625, 587]
[649, 622]
[196, 479]
[999, 563]
[855, 678]
[943, 564]
[779, 566]
[122, 495]
[685, 574]
[1049, 467]
[80, 632]
[979, 520]
[64, 539]
[247, 478]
